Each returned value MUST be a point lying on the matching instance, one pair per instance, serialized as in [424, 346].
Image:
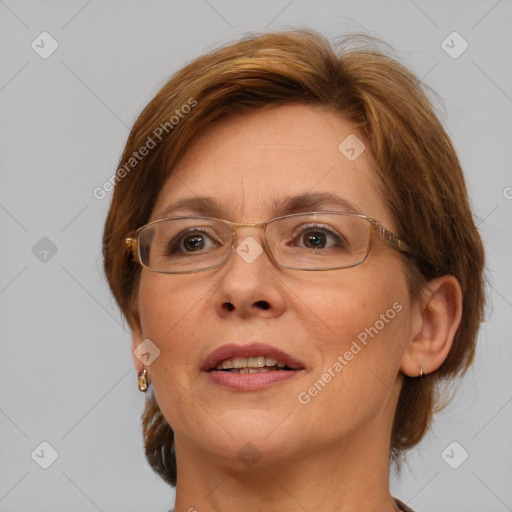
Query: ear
[435, 319]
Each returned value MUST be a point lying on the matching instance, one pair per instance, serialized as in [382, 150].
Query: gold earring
[421, 372]
[143, 381]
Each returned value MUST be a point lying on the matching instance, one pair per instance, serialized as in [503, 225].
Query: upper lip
[252, 350]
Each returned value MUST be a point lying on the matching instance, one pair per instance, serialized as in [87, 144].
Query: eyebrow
[308, 202]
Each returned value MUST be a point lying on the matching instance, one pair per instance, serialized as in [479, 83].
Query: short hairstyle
[422, 180]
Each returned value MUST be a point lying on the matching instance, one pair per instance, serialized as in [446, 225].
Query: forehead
[252, 166]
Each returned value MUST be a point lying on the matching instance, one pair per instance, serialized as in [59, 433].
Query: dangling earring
[421, 372]
[143, 381]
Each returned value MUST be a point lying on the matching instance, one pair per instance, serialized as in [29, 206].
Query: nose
[249, 284]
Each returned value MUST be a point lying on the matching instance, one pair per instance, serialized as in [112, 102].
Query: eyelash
[176, 241]
[304, 228]
[175, 244]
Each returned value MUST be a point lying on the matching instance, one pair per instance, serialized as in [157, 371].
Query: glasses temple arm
[392, 239]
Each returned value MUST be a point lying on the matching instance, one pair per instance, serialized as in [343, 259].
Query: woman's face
[345, 329]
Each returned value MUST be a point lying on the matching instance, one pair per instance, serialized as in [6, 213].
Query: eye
[191, 240]
[316, 237]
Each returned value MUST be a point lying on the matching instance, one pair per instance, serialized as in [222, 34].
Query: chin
[241, 435]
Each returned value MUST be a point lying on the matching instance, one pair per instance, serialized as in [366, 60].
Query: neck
[343, 477]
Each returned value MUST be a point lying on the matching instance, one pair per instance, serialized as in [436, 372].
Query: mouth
[258, 364]
[250, 367]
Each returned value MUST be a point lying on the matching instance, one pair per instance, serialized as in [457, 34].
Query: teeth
[256, 362]
[225, 364]
[251, 364]
[253, 370]
[239, 362]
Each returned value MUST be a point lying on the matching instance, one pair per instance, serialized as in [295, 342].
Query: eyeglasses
[300, 241]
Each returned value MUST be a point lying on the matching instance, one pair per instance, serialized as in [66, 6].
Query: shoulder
[402, 506]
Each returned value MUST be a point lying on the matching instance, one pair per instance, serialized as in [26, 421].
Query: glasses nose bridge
[235, 225]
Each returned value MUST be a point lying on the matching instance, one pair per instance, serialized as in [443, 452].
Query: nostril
[263, 304]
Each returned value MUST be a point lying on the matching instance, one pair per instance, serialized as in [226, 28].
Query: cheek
[358, 327]
[350, 305]
[167, 303]
[168, 313]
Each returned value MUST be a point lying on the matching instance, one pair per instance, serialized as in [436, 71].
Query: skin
[331, 454]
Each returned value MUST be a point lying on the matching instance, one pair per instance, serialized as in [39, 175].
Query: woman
[301, 270]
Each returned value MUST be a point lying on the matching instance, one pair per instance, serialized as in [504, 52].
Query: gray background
[66, 374]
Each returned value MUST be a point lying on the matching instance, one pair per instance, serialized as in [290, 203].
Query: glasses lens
[311, 241]
[319, 241]
[184, 244]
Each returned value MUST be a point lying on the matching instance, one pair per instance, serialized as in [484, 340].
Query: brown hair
[412, 154]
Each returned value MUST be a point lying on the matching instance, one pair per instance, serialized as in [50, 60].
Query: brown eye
[315, 240]
[193, 240]
[315, 237]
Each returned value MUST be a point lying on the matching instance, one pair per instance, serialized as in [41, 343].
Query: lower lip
[251, 381]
